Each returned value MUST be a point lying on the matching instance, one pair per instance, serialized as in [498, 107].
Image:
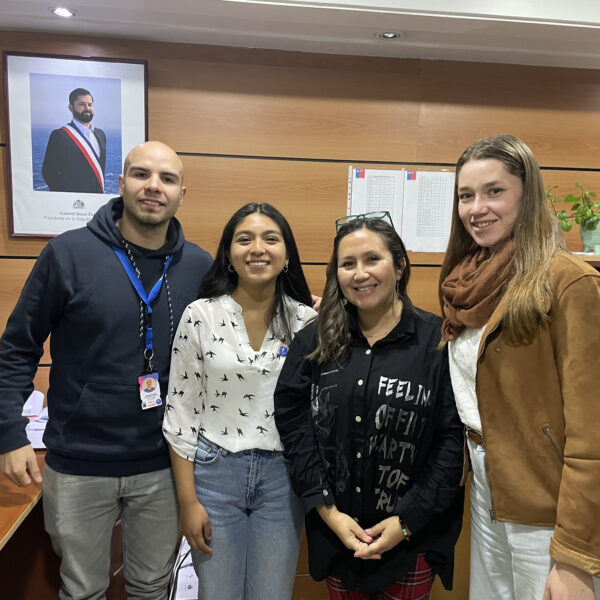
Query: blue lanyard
[147, 299]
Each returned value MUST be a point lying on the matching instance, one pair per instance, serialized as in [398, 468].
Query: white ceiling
[535, 32]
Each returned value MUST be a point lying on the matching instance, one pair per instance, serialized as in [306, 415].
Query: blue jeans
[256, 521]
[80, 514]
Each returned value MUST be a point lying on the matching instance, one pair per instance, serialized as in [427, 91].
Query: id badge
[149, 390]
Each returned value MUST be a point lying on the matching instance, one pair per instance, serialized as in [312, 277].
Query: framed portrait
[70, 121]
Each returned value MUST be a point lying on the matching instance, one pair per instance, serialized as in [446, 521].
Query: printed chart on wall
[420, 203]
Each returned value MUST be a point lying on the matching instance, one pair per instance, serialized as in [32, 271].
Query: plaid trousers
[415, 585]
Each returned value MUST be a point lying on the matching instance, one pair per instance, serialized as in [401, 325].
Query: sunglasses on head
[379, 215]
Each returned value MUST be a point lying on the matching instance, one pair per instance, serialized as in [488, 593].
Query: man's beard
[84, 117]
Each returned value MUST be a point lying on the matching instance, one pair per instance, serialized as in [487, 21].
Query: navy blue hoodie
[79, 293]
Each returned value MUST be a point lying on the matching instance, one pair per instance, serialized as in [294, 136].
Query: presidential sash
[88, 152]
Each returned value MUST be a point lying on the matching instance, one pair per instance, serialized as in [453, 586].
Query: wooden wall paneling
[379, 81]
[554, 110]
[306, 588]
[302, 567]
[536, 92]
[290, 111]
[426, 258]
[423, 286]
[311, 195]
[315, 276]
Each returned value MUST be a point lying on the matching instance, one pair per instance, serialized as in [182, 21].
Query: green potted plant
[584, 210]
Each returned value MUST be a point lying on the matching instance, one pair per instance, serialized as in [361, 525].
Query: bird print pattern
[221, 387]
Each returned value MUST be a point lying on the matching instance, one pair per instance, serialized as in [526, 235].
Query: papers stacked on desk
[35, 429]
[34, 405]
[38, 417]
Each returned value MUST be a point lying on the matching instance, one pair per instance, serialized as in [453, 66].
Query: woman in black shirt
[366, 414]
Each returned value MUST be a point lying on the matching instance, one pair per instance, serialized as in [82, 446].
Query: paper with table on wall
[420, 203]
[38, 417]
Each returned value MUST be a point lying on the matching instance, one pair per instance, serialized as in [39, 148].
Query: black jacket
[377, 435]
[66, 169]
[79, 293]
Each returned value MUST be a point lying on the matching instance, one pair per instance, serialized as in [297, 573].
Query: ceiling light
[62, 11]
[390, 35]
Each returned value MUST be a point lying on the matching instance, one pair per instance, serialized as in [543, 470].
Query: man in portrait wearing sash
[110, 296]
[76, 153]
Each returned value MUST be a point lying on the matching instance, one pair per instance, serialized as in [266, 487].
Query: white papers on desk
[34, 404]
[35, 429]
[420, 203]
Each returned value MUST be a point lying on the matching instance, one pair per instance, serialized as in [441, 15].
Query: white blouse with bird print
[219, 386]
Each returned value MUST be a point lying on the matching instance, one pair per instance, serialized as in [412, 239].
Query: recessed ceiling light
[390, 35]
[63, 11]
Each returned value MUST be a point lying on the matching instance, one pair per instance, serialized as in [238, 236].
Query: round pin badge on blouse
[283, 350]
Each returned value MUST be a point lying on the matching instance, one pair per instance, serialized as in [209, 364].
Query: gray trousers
[79, 515]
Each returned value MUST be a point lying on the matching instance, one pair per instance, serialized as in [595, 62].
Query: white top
[462, 355]
[219, 385]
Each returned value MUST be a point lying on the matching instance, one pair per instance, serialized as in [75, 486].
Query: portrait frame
[37, 107]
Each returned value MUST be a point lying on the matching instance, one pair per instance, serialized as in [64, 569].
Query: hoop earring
[230, 268]
[344, 301]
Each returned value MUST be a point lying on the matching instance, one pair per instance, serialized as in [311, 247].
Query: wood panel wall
[282, 127]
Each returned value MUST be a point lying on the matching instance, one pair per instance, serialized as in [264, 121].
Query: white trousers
[509, 561]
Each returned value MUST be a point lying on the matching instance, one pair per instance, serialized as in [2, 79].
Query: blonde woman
[524, 355]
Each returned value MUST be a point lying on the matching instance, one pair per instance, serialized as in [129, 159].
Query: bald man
[110, 295]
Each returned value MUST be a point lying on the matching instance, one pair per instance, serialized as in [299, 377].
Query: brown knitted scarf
[472, 290]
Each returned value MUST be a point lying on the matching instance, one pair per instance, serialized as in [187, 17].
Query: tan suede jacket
[540, 414]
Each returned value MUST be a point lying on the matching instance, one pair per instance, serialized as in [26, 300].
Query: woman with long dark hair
[238, 510]
[367, 418]
[522, 343]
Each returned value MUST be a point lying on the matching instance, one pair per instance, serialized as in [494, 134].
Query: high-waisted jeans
[256, 521]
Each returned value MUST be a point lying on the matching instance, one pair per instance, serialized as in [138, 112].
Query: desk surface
[17, 502]
[593, 259]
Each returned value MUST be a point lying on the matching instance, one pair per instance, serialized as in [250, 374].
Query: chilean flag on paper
[411, 175]
[359, 173]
